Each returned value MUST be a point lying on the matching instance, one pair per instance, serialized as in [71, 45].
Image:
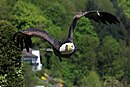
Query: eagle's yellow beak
[68, 48]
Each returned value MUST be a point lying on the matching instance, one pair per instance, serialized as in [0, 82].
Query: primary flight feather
[62, 49]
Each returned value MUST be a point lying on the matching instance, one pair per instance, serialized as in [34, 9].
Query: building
[33, 56]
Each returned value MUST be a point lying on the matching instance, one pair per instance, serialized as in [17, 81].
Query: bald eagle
[62, 49]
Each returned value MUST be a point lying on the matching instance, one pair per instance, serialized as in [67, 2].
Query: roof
[28, 54]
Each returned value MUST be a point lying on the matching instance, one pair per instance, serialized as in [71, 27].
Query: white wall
[37, 53]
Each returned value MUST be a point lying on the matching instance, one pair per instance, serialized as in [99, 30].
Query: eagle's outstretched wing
[101, 17]
[24, 37]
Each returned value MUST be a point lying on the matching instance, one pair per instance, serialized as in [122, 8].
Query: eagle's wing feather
[23, 38]
[101, 17]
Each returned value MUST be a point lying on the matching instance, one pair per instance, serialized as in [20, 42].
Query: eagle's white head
[67, 48]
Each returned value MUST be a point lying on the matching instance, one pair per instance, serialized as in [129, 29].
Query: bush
[10, 64]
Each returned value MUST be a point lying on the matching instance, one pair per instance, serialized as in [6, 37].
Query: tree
[110, 61]
[26, 15]
[125, 4]
[10, 57]
[93, 80]
[87, 41]
[57, 12]
[5, 10]
[93, 62]
[29, 75]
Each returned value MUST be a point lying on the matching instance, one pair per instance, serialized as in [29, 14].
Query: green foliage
[125, 57]
[87, 42]
[80, 5]
[26, 15]
[28, 74]
[126, 71]
[112, 82]
[109, 59]
[3, 80]
[84, 28]
[125, 4]
[10, 64]
[5, 10]
[99, 58]
[56, 12]
[93, 80]
[104, 5]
